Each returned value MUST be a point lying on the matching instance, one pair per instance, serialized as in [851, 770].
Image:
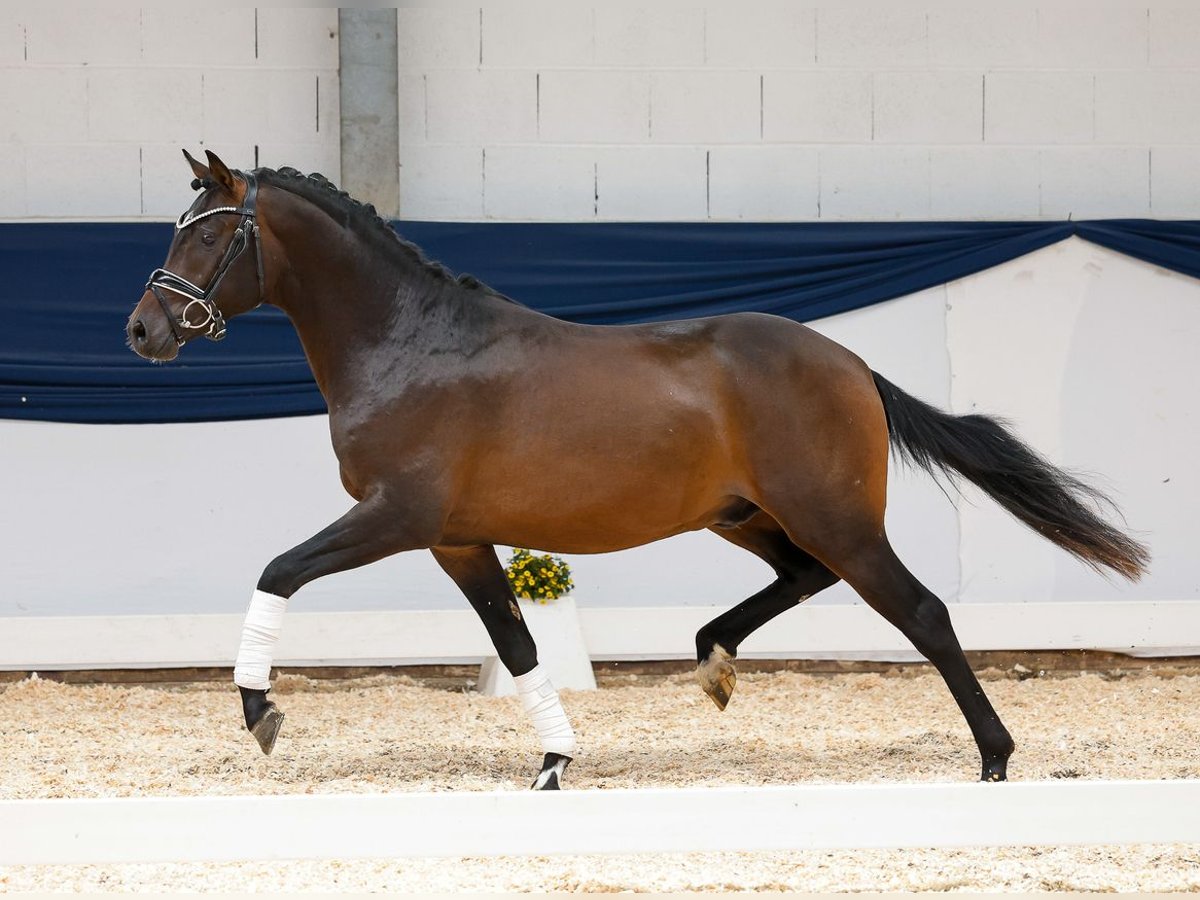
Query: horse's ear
[220, 172]
[198, 168]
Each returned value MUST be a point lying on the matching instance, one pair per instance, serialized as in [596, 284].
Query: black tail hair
[1056, 504]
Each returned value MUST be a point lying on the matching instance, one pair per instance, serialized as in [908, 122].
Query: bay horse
[753, 426]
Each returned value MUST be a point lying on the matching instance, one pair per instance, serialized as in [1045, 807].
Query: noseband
[209, 317]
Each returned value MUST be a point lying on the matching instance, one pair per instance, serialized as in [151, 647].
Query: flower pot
[560, 647]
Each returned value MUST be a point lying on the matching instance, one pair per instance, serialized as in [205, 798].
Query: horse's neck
[359, 313]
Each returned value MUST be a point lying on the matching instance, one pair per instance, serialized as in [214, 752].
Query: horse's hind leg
[479, 575]
[879, 577]
[798, 576]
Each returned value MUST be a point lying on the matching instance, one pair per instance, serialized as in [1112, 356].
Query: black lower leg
[896, 594]
[799, 576]
[480, 577]
[933, 636]
[728, 630]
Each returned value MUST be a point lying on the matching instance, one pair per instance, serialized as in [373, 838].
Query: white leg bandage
[260, 631]
[541, 702]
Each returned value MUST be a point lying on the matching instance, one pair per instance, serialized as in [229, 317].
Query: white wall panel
[121, 101]
[84, 35]
[659, 35]
[928, 107]
[671, 179]
[410, 98]
[875, 183]
[705, 107]
[1095, 182]
[276, 104]
[538, 34]
[437, 37]
[297, 37]
[171, 36]
[477, 106]
[1095, 389]
[1105, 35]
[1174, 34]
[539, 182]
[13, 200]
[763, 183]
[1174, 185]
[12, 37]
[773, 35]
[594, 107]
[815, 107]
[307, 156]
[439, 182]
[974, 35]
[43, 105]
[884, 35]
[1038, 108]
[1135, 107]
[83, 180]
[984, 182]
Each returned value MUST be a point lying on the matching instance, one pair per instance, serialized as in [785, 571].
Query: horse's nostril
[138, 331]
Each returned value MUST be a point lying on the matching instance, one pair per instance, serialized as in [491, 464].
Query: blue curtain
[67, 290]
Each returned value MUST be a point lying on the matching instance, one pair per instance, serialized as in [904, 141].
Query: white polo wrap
[541, 702]
[260, 631]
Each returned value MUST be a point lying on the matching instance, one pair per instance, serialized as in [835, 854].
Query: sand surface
[388, 733]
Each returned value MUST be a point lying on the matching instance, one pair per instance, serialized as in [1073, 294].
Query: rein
[213, 322]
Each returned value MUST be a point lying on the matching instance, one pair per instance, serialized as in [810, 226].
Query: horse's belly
[553, 511]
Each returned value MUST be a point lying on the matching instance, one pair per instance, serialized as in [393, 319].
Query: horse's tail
[1054, 503]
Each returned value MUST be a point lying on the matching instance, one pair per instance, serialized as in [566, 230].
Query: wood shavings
[387, 733]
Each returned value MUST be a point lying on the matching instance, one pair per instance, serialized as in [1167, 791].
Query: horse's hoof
[717, 676]
[550, 778]
[995, 771]
[266, 729]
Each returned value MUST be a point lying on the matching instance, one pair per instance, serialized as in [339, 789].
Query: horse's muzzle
[148, 340]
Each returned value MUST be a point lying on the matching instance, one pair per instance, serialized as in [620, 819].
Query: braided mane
[363, 220]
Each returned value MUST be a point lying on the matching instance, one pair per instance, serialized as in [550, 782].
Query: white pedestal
[560, 648]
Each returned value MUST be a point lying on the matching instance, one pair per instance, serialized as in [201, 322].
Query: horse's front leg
[479, 575]
[370, 531]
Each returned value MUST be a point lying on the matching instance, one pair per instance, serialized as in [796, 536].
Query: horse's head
[214, 267]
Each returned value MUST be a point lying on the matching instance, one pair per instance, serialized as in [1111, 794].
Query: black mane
[364, 221]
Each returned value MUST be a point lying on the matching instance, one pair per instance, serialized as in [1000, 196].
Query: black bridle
[205, 298]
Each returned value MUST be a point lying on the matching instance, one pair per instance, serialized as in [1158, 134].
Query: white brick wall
[1039, 107]
[928, 108]
[539, 110]
[763, 183]
[800, 111]
[96, 102]
[1174, 185]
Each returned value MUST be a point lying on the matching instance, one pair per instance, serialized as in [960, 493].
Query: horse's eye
[208, 237]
